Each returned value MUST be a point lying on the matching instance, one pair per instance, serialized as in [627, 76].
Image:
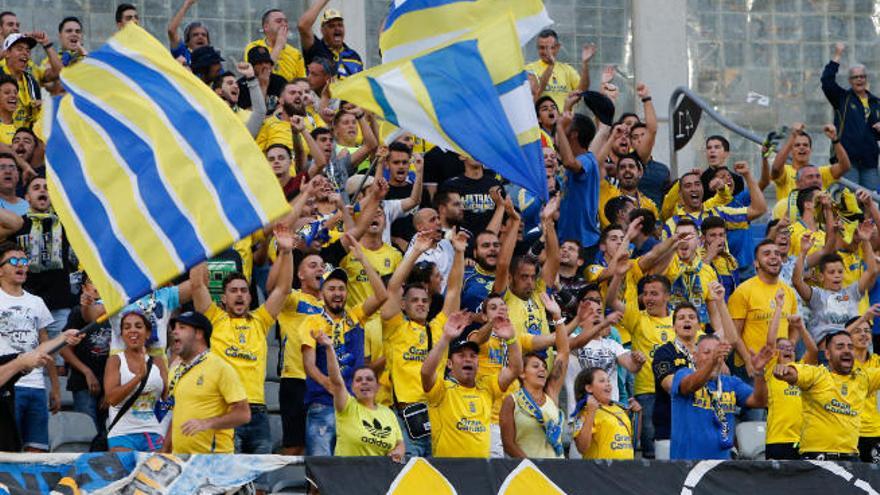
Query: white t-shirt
[598, 353]
[21, 318]
[393, 209]
[443, 256]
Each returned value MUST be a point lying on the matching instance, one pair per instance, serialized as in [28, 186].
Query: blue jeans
[32, 417]
[87, 403]
[54, 329]
[869, 178]
[254, 437]
[320, 430]
[415, 447]
[646, 439]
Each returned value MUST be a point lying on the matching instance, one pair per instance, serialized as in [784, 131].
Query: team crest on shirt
[472, 407]
[844, 389]
[664, 337]
[200, 381]
[387, 262]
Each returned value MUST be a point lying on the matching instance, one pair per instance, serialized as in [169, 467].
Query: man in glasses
[857, 119]
[23, 321]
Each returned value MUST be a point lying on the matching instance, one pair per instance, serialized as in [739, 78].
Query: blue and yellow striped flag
[470, 95]
[413, 26]
[149, 171]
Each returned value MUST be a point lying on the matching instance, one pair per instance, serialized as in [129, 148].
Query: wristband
[559, 322]
[48, 45]
[511, 341]
[835, 141]
[249, 79]
[646, 99]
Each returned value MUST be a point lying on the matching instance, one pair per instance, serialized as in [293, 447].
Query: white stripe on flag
[410, 114]
[518, 108]
[409, 49]
[529, 27]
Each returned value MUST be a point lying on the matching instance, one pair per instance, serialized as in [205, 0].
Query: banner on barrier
[131, 473]
[334, 475]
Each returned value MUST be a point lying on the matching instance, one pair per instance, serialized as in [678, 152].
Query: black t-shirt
[476, 201]
[92, 350]
[569, 294]
[441, 165]
[50, 261]
[403, 227]
[10, 441]
[667, 360]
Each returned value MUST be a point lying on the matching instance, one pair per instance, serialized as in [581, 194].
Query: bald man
[442, 254]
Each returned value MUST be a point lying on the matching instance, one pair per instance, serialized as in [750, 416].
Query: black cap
[259, 54]
[463, 343]
[336, 273]
[600, 105]
[195, 320]
[205, 56]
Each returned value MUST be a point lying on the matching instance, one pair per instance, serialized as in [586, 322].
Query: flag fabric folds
[470, 95]
[413, 26]
[149, 172]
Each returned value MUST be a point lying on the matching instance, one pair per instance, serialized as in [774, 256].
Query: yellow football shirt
[361, 431]
[460, 417]
[870, 416]
[277, 131]
[563, 80]
[241, 342]
[528, 315]
[7, 132]
[608, 191]
[755, 302]
[290, 63]
[798, 229]
[648, 333]
[833, 407]
[676, 269]
[205, 391]
[297, 307]
[784, 419]
[787, 182]
[493, 358]
[611, 435]
[406, 349]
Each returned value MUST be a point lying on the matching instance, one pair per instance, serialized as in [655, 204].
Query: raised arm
[566, 155]
[394, 303]
[587, 52]
[10, 223]
[585, 436]
[334, 374]
[764, 180]
[797, 276]
[603, 153]
[258, 102]
[379, 295]
[695, 381]
[198, 277]
[495, 222]
[833, 91]
[773, 330]
[283, 265]
[758, 204]
[758, 399]
[546, 75]
[504, 330]
[415, 196]
[869, 276]
[811, 355]
[305, 23]
[370, 142]
[782, 155]
[455, 324]
[551, 242]
[644, 149]
[560, 364]
[455, 280]
[174, 25]
[508, 244]
[843, 165]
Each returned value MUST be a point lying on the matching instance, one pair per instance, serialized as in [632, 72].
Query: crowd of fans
[424, 306]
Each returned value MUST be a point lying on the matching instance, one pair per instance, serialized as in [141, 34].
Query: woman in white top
[138, 428]
[531, 421]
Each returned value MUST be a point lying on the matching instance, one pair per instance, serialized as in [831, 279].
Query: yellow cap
[329, 15]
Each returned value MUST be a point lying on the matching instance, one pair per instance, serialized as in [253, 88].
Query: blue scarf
[552, 426]
[689, 287]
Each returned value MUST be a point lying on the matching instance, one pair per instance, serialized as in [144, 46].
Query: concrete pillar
[661, 61]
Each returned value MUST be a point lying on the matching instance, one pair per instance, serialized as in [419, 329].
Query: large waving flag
[413, 26]
[470, 95]
[149, 171]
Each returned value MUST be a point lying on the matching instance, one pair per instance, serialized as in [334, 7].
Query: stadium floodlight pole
[727, 124]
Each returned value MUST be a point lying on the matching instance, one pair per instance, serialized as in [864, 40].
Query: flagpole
[91, 327]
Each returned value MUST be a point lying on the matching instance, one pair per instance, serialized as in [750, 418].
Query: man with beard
[239, 336]
[856, 117]
[227, 88]
[401, 183]
[276, 128]
[346, 327]
[24, 147]
[753, 303]
[288, 61]
[799, 147]
[493, 257]
[833, 400]
[331, 44]
[629, 173]
[441, 253]
[449, 209]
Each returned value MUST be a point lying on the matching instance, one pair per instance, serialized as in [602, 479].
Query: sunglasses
[17, 261]
[858, 76]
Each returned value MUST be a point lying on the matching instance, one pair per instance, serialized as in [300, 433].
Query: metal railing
[724, 122]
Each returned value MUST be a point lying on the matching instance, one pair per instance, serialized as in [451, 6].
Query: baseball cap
[18, 37]
[353, 183]
[205, 56]
[329, 15]
[462, 343]
[337, 274]
[259, 54]
[195, 320]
